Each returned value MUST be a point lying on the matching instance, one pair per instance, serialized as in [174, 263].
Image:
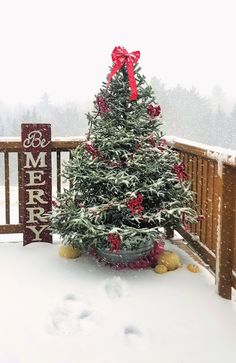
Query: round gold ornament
[160, 269]
[193, 268]
[67, 251]
[170, 260]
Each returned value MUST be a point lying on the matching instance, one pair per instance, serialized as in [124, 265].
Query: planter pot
[125, 256]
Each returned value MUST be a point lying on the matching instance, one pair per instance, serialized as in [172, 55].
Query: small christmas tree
[126, 181]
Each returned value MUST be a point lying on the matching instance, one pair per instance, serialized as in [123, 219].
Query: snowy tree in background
[126, 182]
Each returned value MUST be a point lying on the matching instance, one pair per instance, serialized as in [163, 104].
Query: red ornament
[91, 150]
[180, 172]
[152, 139]
[135, 205]
[121, 56]
[114, 239]
[154, 110]
[102, 105]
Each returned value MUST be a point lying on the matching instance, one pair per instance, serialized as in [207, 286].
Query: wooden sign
[37, 187]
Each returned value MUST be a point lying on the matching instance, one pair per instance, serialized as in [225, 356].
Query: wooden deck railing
[213, 175]
[8, 147]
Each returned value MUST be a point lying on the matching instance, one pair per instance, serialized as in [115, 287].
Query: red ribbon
[180, 172]
[114, 239]
[121, 56]
[92, 151]
[184, 222]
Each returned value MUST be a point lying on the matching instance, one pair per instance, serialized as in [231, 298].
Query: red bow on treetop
[121, 56]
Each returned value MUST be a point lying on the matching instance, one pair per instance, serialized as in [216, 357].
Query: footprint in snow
[132, 330]
[132, 335]
[115, 288]
[72, 315]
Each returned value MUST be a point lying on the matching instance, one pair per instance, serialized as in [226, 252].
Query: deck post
[226, 231]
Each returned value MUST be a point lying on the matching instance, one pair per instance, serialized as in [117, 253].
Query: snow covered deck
[213, 174]
[54, 310]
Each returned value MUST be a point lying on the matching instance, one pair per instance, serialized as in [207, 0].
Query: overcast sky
[64, 46]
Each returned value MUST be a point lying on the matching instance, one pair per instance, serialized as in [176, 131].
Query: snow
[54, 310]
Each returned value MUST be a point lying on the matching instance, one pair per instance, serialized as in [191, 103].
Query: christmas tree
[126, 181]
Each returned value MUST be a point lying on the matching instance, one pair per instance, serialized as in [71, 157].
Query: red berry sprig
[200, 218]
[135, 205]
[154, 110]
[102, 106]
[180, 172]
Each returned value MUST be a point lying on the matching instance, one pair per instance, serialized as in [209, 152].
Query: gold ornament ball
[170, 260]
[69, 251]
[193, 268]
[160, 269]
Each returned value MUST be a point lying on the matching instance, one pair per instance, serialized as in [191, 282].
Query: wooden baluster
[203, 202]
[194, 186]
[199, 192]
[190, 176]
[7, 187]
[209, 204]
[215, 208]
[58, 172]
[71, 183]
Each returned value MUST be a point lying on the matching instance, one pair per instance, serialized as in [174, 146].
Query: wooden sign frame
[37, 185]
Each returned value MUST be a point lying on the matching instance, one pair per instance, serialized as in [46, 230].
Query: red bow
[120, 56]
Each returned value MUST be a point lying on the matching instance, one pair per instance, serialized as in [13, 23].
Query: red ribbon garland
[135, 205]
[121, 56]
[92, 151]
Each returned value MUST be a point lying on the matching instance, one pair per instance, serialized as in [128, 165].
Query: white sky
[64, 46]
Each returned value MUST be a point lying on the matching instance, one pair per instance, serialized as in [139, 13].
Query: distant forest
[185, 112]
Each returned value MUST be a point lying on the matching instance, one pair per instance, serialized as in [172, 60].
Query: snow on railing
[220, 154]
